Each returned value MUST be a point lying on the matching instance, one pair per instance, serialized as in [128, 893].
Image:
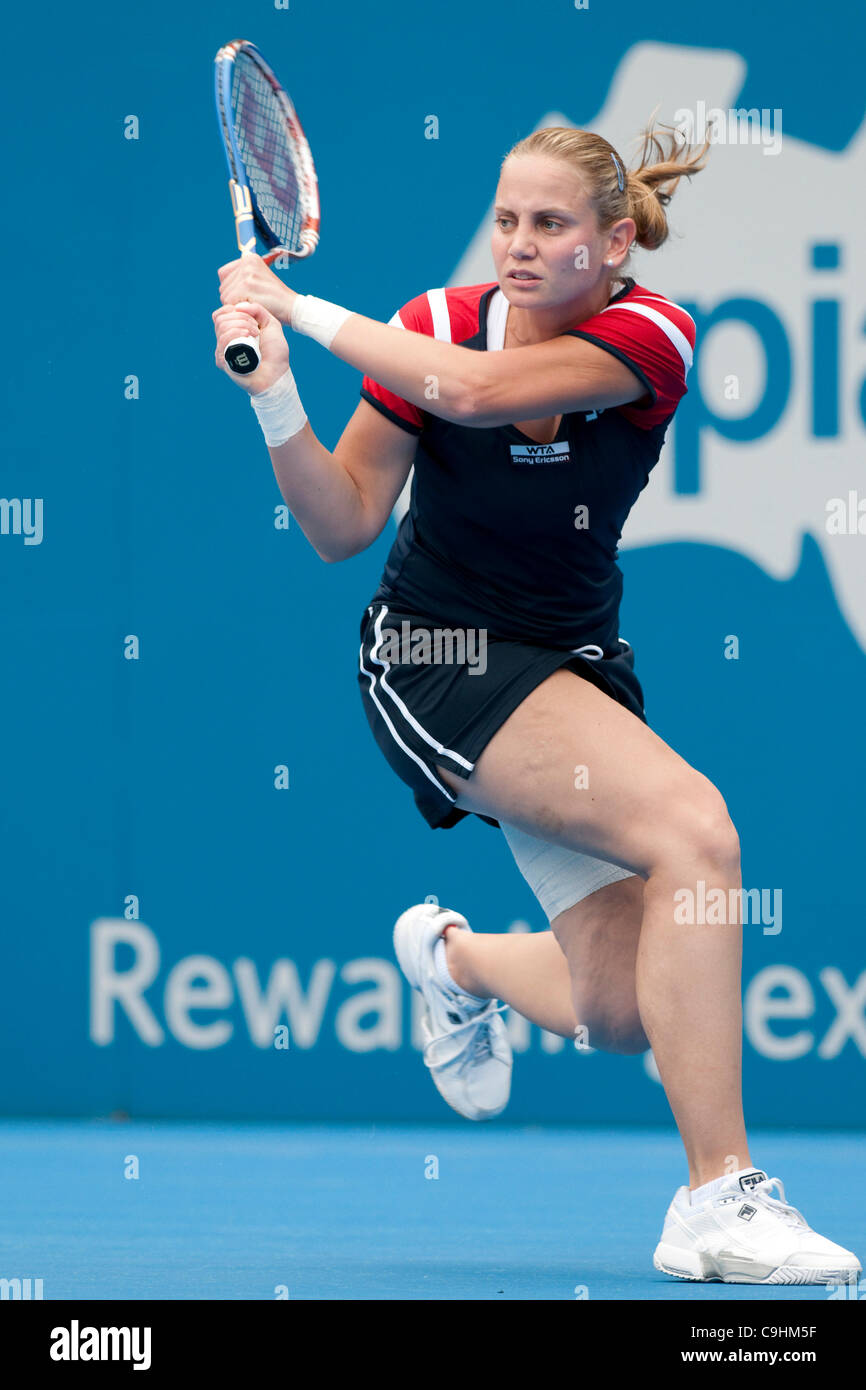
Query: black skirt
[434, 695]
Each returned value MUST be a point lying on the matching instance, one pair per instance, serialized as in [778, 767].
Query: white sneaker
[742, 1234]
[466, 1047]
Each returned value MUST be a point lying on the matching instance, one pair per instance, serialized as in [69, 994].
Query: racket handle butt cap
[242, 355]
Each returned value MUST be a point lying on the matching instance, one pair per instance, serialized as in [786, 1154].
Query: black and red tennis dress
[510, 544]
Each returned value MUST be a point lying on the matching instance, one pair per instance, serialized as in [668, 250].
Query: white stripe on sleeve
[441, 318]
[670, 330]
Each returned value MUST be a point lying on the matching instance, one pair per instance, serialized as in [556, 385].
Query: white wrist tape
[279, 411]
[318, 319]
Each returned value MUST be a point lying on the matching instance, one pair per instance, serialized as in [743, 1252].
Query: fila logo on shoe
[746, 1212]
[750, 1180]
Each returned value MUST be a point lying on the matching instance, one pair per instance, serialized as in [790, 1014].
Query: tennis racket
[272, 179]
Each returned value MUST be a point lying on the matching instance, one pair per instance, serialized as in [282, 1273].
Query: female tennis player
[533, 410]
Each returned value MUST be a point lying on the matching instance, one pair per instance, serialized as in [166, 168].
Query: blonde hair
[614, 191]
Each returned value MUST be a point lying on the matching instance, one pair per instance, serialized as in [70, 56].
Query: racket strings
[274, 173]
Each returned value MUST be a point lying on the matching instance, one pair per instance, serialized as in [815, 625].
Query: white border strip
[440, 786]
[406, 713]
[670, 330]
[438, 302]
[659, 299]
[497, 317]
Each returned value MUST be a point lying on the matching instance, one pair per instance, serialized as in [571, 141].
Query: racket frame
[250, 223]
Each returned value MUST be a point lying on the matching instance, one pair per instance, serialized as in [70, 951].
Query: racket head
[273, 178]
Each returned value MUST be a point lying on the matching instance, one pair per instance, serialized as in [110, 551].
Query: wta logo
[767, 257]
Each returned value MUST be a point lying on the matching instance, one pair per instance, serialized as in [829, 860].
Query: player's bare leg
[583, 971]
[647, 810]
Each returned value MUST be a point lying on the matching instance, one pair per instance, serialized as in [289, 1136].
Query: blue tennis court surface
[235, 1212]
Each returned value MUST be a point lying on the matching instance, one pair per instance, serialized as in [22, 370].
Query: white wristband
[279, 411]
[318, 319]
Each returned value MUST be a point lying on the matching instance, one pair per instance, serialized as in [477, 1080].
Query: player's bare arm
[341, 500]
[481, 389]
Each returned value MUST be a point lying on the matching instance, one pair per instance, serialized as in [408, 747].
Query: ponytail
[642, 193]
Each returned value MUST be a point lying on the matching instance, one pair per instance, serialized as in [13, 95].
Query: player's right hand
[247, 320]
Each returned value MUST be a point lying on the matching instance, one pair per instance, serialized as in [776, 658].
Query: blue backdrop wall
[165, 906]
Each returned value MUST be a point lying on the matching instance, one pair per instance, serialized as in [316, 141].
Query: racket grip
[242, 355]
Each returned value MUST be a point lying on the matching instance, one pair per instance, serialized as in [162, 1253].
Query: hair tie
[620, 176]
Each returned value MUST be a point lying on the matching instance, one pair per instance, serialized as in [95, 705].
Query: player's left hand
[248, 320]
[249, 278]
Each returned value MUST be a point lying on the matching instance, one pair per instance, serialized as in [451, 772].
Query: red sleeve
[656, 339]
[417, 316]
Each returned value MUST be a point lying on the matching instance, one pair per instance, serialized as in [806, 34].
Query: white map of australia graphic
[745, 228]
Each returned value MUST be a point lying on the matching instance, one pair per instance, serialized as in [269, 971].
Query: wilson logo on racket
[272, 178]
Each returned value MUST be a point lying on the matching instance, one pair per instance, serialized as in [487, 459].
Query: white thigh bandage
[558, 877]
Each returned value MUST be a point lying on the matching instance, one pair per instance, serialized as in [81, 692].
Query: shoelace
[780, 1206]
[479, 1044]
